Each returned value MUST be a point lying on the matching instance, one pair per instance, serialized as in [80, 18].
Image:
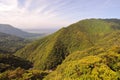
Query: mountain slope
[96, 67]
[50, 51]
[10, 44]
[8, 29]
[99, 62]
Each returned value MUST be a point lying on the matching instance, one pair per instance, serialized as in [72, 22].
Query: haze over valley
[46, 31]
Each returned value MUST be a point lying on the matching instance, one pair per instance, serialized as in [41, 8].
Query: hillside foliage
[86, 50]
[94, 64]
[10, 43]
[49, 52]
[9, 62]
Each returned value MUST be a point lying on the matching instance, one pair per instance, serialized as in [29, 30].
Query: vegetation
[10, 43]
[88, 68]
[21, 74]
[8, 61]
[100, 62]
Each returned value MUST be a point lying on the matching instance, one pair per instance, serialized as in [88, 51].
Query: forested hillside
[50, 51]
[100, 62]
[10, 43]
[8, 61]
[86, 50]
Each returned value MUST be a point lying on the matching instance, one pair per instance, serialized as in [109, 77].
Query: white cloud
[53, 13]
[7, 5]
[11, 13]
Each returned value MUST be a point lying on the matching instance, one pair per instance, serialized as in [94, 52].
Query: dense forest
[10, 43]
[86, 50]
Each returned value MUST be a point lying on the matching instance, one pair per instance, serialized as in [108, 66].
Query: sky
[46, 14]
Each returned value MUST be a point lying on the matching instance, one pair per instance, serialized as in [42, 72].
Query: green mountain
[8, 29]
[10, 43]
[47, 53]
[100, 62]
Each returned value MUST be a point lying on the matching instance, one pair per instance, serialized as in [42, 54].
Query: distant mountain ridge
[8, 29]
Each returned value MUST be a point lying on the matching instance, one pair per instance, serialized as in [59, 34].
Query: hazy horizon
[47, 31]
[43, 14]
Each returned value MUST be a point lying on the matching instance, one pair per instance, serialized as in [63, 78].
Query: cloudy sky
[55, 13]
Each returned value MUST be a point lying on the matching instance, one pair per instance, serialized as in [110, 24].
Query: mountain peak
[53, 49]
